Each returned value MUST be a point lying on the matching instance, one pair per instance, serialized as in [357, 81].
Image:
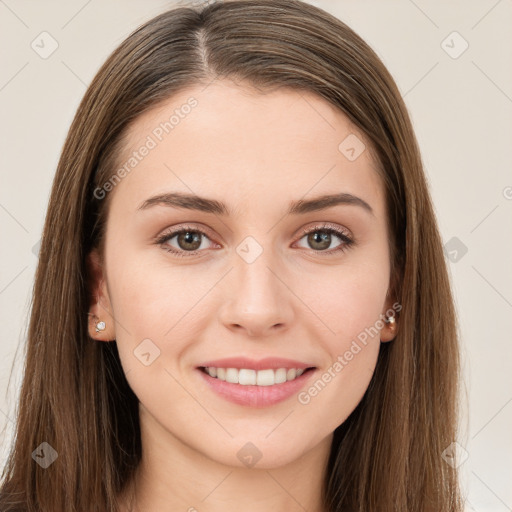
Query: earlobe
[100, 320]
[101, 329]
[390, 327]
[389, 331]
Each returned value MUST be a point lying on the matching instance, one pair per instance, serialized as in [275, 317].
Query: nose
[258, 301]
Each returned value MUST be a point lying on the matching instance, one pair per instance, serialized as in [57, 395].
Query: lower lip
[256, 396]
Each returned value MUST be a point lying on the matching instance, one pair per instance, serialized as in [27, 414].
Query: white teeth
[232, 375]
[265, 378]
[291, 374]
[280, 376]
[247, 377]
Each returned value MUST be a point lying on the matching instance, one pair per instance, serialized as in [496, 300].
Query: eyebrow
[299, 207]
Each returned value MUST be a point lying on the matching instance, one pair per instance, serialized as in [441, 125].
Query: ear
[390, 329]
[101, 320]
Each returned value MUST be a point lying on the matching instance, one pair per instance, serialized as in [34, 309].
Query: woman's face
[260, 277]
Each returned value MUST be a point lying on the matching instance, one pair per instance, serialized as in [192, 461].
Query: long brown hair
[387, 455]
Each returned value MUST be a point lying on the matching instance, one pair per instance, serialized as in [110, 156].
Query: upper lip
[251, 364]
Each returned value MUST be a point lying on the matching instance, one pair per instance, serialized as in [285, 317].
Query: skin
[255, 152]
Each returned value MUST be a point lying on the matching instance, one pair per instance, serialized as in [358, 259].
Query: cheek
[161, 309]
[348, 305]
[340, 387]
[345, 300]
[155, 323]
[150, 299]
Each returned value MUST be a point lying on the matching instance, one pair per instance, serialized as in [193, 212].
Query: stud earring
[100, 326]
[390, 320]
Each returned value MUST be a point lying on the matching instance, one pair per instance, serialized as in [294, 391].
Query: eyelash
[325, 228]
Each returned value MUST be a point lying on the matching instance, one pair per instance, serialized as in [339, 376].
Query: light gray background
[461, 106]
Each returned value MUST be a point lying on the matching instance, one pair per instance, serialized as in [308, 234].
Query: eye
[189, 240]
[320, 237]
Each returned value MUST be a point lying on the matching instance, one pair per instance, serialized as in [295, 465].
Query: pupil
[321, 237]
[190, 238]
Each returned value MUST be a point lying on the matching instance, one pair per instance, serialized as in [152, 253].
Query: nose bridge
[256, 298]
[256, 284]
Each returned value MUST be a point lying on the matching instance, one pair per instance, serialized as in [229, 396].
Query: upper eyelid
[319, 225]
[174, 231]
[327, 225]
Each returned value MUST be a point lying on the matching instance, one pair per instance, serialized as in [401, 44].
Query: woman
[241, 298]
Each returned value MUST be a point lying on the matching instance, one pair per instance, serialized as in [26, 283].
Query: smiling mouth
[249, 377]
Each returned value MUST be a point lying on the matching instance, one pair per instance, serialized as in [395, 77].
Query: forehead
[232, 141]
